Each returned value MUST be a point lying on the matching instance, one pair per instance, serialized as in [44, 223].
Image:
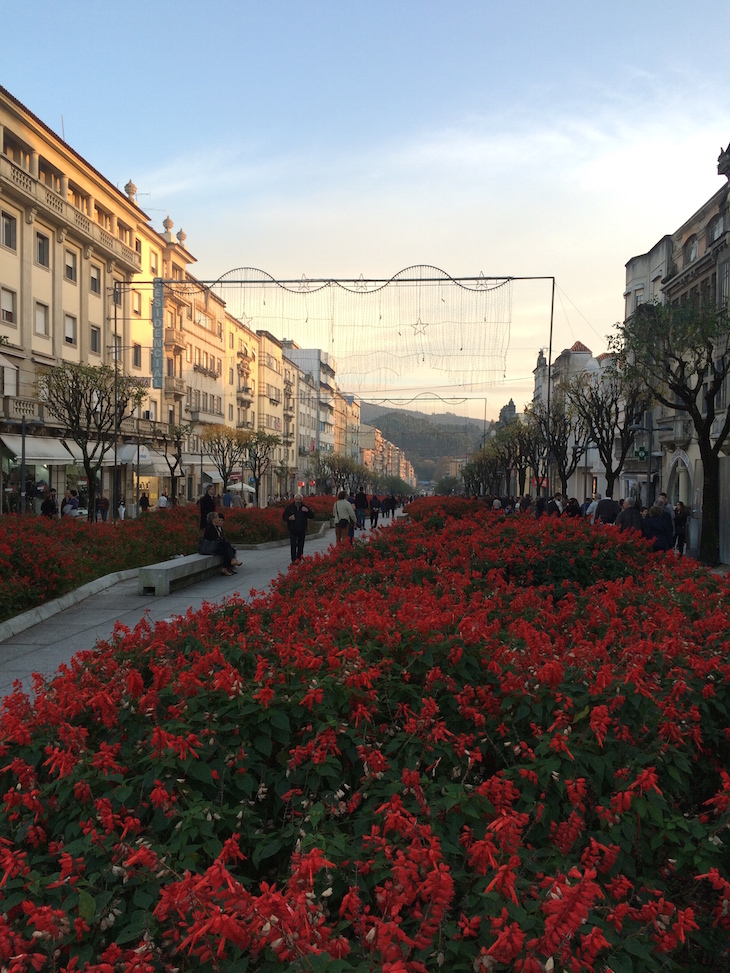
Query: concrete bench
[167, 576]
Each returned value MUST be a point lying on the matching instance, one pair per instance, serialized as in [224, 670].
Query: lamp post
[23, 430]
[649, 429]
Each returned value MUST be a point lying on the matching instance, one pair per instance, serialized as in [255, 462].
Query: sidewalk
[52, 642]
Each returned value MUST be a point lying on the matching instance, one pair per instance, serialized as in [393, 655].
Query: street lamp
[36, 423]
[649, 429]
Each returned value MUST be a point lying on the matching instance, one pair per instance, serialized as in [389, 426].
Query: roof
[604, 355]
[580, 347]
[47, 128]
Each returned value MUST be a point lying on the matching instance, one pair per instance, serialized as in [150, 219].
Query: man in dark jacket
[361, 508]
[295, 517]
[607, 510]
[629, 518]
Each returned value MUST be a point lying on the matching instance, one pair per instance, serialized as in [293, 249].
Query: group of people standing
[665, 525]
[350, 512]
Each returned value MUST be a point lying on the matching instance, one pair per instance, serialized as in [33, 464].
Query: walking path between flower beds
[80, 619]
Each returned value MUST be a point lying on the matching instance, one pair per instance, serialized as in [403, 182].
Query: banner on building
[158, 337]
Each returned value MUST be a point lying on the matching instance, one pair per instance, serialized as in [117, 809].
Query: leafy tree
[483, 473]
[564, 434]
[259, 456]
[173, 442]
[609, 402]
[91, 402]
[226, 448]
[448, 485]
[682, 354]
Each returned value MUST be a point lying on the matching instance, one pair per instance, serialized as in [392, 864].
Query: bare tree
[226, 448]
[610, 403]
[564, 434]
[91, 402]
[259, 456]
[173, 443]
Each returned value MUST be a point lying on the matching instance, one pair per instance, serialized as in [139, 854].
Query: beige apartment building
[78, 258]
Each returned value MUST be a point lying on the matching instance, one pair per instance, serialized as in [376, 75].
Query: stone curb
[18, 624]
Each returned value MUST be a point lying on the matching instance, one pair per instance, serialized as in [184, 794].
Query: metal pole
[649, 485]
[22, 465]
[585, 485]
[136, 506]
[116, 407]
[550, 368]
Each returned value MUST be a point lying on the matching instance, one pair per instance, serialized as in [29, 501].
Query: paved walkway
[51, 643]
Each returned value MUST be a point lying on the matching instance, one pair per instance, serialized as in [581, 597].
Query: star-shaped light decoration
[482, 280]
[361, 284]
[304, 283]
[419, 327]
[245, 320]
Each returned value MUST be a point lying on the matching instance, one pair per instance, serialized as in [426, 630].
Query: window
[136, 302]
[41, 319]
[95, 339]
[71, 261]
[230, 413]
[204, 405]
[8, 310]
[42, 250]
[188, 353]
[230, 376]
[153, 262]
[170, 367]
[117, 294]
[716, 228]
[230, 339]
[724, 283]
[69, 329]
[690, 250]
[95, 279]
[197, 356]
[137, 356]
[138, 245]
[8, 230]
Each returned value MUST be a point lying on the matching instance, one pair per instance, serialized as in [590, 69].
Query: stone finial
[130, 189]
[181, 237]
[168, 224]
[723, 163]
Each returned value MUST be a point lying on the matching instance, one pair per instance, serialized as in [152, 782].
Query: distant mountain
[428, 441]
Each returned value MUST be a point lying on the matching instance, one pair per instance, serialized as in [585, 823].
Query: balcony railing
[38, 197]
[174, 338]
[15, 407]
[674, 432]
[244, 395]
[244, 424]
[174, 385]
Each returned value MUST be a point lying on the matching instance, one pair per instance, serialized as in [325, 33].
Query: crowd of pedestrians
[665, 525]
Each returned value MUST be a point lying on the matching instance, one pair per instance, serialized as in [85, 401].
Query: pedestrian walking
[374, 510]
[122, 507]
[361, 506]
[207, 505]
[49, 507]
[681, 516]
[295, 517]
[344, 517]
[144, 503]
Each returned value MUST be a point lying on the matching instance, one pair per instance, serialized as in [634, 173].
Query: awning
[6, 363]
[238, 487]
[78, 456]
[41, 450]
[151, 462]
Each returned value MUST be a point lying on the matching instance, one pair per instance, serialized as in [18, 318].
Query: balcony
[288, 407]
[210, 372]
[245, 424]
[41, 200]
[15, 407]
[673, 432]
[244, 396]
[174, 386]
[174, 340]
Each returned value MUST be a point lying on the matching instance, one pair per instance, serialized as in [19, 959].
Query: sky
[334, 139]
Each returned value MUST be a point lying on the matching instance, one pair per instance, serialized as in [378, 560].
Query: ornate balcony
[244, 396]
[174, 386]
[174, 340]
[674, 432]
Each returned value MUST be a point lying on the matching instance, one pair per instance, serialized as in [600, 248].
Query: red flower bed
[41, 559]
[415, 754]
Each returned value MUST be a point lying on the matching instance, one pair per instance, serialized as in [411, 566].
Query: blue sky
[334, 139]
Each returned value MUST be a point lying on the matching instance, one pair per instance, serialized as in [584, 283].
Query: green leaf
[135, 928]
[265, 851]
[87, 906]
[199, 770]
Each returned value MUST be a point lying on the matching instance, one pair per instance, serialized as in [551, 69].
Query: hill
[428, 441]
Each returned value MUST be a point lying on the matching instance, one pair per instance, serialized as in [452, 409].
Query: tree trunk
[710, 536]
[611, 476]
[91, 480]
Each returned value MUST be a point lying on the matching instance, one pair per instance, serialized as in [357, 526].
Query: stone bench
[167, 576]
